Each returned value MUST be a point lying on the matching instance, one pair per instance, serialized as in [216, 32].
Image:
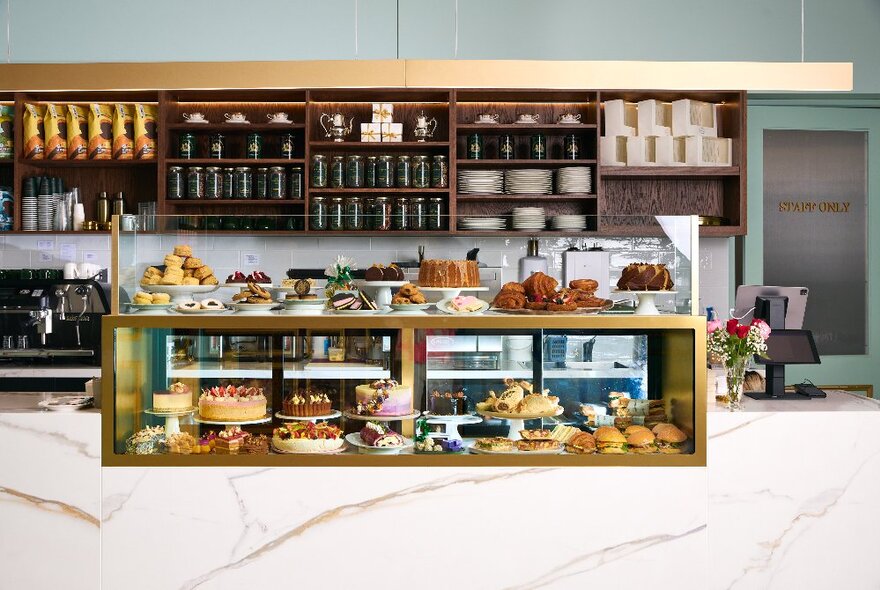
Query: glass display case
[228, 372]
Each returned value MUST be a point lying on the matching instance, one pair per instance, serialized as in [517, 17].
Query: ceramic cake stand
[517, 421]
[333, 414]
[172, 419]
[383, 291]
[647, 305]
[181, 293]
[226, 425]
[353, 416]
[450, 292]
[451, 423]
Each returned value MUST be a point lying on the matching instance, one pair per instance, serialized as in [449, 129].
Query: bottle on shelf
[119, 204]
[102, 213]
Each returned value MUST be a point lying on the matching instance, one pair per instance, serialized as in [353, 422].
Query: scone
[203, 272]
[171, 279]
[151, 280]
[209, 280]
[161, 298]
[183, 250]
[188, 272]
[172, 261]
[193, 263]
[190, 281]
[152, 270]
[142, 298]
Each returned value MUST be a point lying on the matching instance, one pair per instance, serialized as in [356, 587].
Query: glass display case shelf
[292, 370]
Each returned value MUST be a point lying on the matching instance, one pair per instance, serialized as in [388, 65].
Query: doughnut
[189, 305]
[211, 304]
[193, 263]
[183, 250]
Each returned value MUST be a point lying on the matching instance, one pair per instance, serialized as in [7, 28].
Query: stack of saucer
[529, 218]
[480, 181]
[569, 222]
[482, 223]
[574, 179]
[535, 181]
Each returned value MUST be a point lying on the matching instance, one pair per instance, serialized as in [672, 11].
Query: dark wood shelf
[495, 163]
[235, 128]
[395, 190]
[510, 233]
[716, 231]
[7, 162]
[379, 145]
[488, 128]
[378, 232]
[233, 162]
[21, 232]
[231, 202]
[86, 163]
[659, 171]
[526, 197]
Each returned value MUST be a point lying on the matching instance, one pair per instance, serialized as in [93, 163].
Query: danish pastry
[562, 307]
[536, 305]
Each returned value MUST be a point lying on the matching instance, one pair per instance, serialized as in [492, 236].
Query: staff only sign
[815, 229]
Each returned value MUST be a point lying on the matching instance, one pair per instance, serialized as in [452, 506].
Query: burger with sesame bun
[669, 439]
[641, 442]
[610, 441]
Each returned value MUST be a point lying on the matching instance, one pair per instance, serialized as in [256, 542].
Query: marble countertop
[837, 401]
[16, 402]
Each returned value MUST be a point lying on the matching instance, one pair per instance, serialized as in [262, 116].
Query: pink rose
[763, 328]
[713, 325]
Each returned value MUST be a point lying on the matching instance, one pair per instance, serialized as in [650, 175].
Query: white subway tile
[345, 246]
[16, 258]
[148, 241]
[198, 241]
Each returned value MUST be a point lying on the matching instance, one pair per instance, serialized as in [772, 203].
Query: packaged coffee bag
[6, 116]
[55, 124]
[100, 132]
[77, 147]
[144, 131]
[123, 133]
[34, 148]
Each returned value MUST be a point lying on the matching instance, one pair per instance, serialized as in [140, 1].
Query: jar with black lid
[336, 214]
[318, 213]
[176, 188]
[213, 182]
[337, 172]
[195, 183]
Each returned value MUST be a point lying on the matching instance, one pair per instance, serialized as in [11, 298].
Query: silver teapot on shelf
[425, 127]
[335, 126]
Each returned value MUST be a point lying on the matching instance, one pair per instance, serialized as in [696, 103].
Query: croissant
[509, 300]
[540, 285]
[513, 286]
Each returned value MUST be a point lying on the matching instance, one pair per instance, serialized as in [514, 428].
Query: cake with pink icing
[385, 397]
[232, 404]
[465, 304]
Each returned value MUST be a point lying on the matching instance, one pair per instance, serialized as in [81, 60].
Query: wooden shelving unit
[622, 201]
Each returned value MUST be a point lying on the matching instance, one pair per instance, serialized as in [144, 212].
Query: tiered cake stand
[517, 421]
[225, 425]
[333, 414]
[172, 419]
[647, 305]
[451, 423]
[383, 291]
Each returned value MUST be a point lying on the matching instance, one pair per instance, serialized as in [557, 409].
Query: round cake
[307, 437]
[176, 398]
[642, 276]
[307, 402]
[232, 404]
[449, 273]
[385, 397]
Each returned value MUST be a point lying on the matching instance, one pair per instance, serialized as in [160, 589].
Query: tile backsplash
[275, 254]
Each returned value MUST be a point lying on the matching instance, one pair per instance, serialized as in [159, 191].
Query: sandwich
[610, 441]
[658, 427]
[641, 442]
[582, 443]
[635, 428]
[669, 439]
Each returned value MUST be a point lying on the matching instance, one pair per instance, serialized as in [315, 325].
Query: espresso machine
[51, 322]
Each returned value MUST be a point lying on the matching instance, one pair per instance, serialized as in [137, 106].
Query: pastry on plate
[192, 263]
[538, 445]
[494, 443]
[161, 298]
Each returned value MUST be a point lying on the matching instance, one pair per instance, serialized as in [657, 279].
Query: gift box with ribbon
[392, 132]
[371, 132]
[383, 112]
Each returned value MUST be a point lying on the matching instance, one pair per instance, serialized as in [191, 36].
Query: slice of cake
[385, 397]
[229, 442]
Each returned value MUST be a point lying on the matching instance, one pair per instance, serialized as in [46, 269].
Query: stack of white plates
[529, 218]
[480, 181]
[45, 212]
[569, 222]
[529, 181]
[29, 213]
[574, 179]
[482, 223]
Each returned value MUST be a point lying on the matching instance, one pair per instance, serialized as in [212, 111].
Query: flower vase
[736, 375]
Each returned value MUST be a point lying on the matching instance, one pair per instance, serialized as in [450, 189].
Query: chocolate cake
[642, 276]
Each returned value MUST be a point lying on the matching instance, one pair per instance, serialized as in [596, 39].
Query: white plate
[149, 306]
[180, 289]
[381, 283]
[200, 311]
[443, 305]
[67, 403]
[253, 307]
[299, 303]
[410, 306]
[245, 122]
[354, 438]
[333, 414]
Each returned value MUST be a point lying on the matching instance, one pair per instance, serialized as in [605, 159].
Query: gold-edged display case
[579, 359]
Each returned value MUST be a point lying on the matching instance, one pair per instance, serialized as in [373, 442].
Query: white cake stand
[517, 421]
[450, 292]
[181, 293]
[383, 290]
[354, 416]
[647, 305]
[263, 420]
[451, 423]
[172, 419]
[333, 414]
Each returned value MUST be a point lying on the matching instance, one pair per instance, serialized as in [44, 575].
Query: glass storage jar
[440, 172]
[319, 171]
[318, 213]
[370, 172]
[336, 214]
[385, 172]
[277, 183]
[176, 188]
[228, 183]
[244, 182]
[213, 182]
[418, 213]
[421, 172]
[435, 213]
[354, 213]
[260, 183]
[337, 172]
[401, 213]
[295, 183]
[382, 214]
[354, 171]
[195, 183]
[404, 172]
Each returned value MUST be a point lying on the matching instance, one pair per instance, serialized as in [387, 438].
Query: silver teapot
[425, 127]
[335, 126]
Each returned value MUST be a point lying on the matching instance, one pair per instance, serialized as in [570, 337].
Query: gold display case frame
[683, 378]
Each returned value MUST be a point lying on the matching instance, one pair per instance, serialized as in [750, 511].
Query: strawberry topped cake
[307, 437]
[232, 404]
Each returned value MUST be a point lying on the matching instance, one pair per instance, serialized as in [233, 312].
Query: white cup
[70, 270]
